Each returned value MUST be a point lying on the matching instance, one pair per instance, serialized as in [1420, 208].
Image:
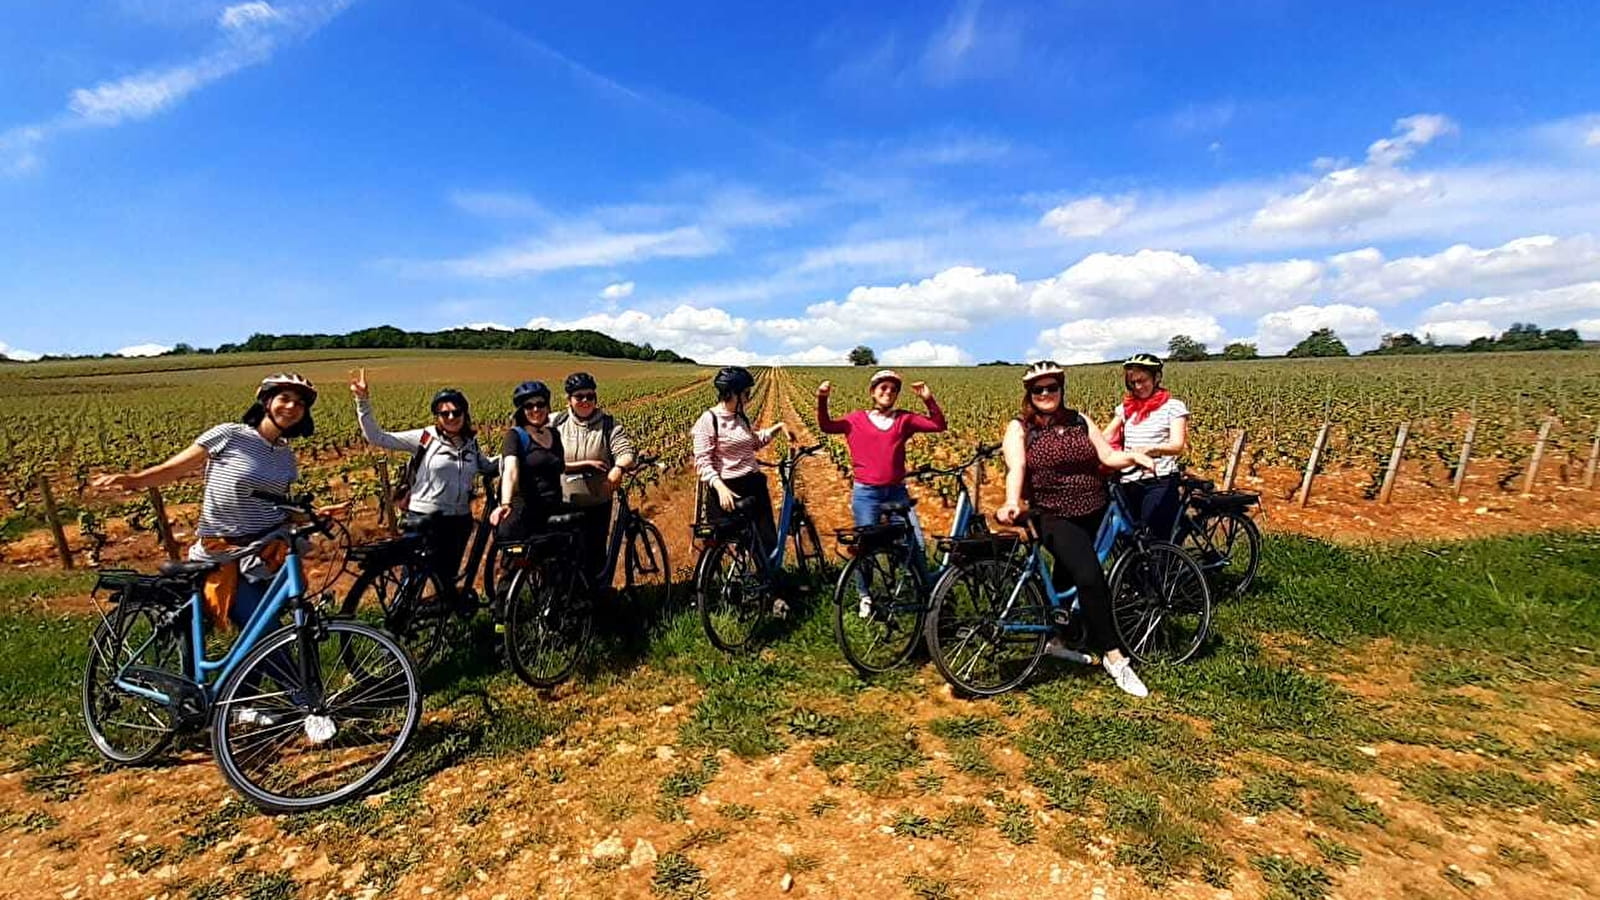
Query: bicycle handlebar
[299, 503]
[983, 451]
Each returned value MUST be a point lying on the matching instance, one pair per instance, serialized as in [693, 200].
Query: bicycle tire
[549, 623]
[386, 686]
[896, 611]
[731, 596]
[1160, 604]
[131, 636]
[1220, 534]
[414, 607]
[647, 567]
[965, 624]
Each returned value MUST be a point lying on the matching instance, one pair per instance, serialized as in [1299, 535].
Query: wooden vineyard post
[1394, 462]
[163, 527]
[1466, 456]
[385, 514]
[54, 519]
[1311, 464]
[1232, 471]
[1538, 454]
[1594, 459]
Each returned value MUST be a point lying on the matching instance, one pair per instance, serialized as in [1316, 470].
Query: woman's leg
[1159, 507]
[1071, 545]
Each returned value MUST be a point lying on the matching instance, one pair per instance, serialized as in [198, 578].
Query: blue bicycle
[301, 715]
[993, 611]
[881, 599]
[736, 577]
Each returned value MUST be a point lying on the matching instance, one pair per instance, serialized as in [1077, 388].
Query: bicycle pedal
[1061, 616]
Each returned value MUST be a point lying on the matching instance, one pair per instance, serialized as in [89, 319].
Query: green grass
[1290, 879]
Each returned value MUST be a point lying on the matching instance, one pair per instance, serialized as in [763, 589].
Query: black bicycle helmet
[527, 391]
[580, 381]
[449, 395]
[733, 380]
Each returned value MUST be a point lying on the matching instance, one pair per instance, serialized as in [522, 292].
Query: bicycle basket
[126, 585]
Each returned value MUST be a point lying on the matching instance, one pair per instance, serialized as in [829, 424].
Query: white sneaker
[320, 729]
[864, 608]
[260, 718]
[780, 609]
[1122, 673]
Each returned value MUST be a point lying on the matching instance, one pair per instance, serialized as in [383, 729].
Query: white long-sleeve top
[443, 483]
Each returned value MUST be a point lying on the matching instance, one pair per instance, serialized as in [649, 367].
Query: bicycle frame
[287, 585]
[1114, 525]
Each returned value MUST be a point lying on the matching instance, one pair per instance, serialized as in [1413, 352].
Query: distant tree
[1183, 348]
[997, 362]
[1322, 342]
[180, 349]
[1398, 342]
[863, 356]
[1563, 339]
[1240, 350]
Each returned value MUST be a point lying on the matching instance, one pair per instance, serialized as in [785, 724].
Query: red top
[878, 455]
[1063, 469]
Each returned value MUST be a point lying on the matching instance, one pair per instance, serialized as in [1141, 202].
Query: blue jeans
[864, 502]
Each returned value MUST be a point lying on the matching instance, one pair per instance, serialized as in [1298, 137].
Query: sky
[946, 182]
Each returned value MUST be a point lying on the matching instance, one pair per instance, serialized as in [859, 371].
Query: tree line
[1326, 342]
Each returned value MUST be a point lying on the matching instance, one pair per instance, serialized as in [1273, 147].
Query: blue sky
[946, 182]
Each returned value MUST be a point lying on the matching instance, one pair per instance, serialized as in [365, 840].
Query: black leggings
[447, 538]
[1155, 502]
[751, 485]
[1070, 541]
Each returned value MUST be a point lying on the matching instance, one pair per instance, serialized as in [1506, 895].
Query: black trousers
[1070, 541]
[595, 528]
[1155, 502]
[751, 485]
[447, 538]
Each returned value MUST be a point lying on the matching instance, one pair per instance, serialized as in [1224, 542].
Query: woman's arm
[1113, 427]
[1177, 439]
[1016, 456]
[1116, 459]
[933, 422]
[188, 461]
[377, 437]
[826, 423]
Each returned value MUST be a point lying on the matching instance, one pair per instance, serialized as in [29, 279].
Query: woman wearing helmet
[877, 439]
[531, 463]
[1053, 457]
[445, 459]
[725, 446]
[238, 459]
[1149, 419]
[598, 453]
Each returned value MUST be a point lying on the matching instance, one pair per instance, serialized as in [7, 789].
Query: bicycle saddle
[895, 509]
[187, 568]
[560, 519]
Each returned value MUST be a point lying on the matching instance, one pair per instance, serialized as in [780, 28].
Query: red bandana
[1134, 409]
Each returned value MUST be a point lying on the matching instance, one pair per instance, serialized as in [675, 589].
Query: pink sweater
[878, 456]
[724, 446]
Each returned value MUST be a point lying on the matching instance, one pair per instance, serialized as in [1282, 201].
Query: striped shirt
[242, 461]
[725, 445]
[1153, 430]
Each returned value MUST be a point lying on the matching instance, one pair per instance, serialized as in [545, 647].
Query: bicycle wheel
[732, 596]
[987, 626]
[290, 744]
[879, 608]
[1160, 604]
[548, 623]
[648, 570]
[126, 728]
[406, 600]
[1228, 546]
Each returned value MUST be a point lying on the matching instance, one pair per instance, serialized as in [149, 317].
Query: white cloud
[951, 301]
[1557, 307]
[1088, 217]
[1592, 139]
[144, 350]
[488, 326]
[926, 353]
[1163, 280]
[1534, 261]
[498, 204]
[248, 34]
[248, 15]
[701, 333]
[17, 353]
[1454, 331]
[1094, 340]
[617, 291]
[1588, 329]
[1346, 197]
[1359, 327]
[584, 247]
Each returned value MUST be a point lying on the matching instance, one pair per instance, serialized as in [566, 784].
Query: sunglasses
[1041, 390]
[586, 397]
[533, 405]
[448, 413]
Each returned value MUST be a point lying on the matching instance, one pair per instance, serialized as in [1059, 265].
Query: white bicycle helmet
[885, 375]
[1041, 369]
[274, 383]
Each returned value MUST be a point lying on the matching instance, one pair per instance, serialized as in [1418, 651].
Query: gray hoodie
[443, 483]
